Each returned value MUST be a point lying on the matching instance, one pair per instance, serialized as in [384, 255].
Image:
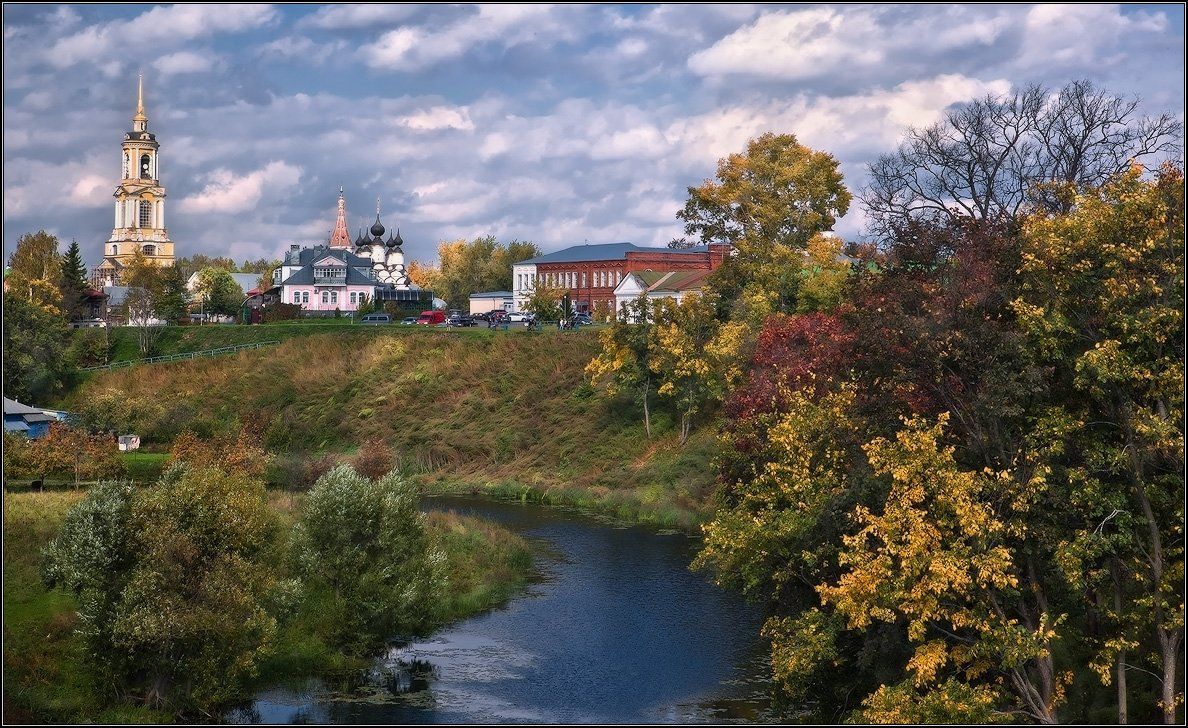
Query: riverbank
[493, 414]
[47, 678]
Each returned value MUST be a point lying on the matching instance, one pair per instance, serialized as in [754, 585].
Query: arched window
[146, 167]
[146, 213]
[125, 165]
[150, 250]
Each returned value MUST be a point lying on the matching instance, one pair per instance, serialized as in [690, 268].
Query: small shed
[129, 442]
[491, 301]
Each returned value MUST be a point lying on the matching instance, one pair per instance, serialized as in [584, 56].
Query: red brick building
[591, 272]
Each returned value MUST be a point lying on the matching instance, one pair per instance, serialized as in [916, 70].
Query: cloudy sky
[552, 124]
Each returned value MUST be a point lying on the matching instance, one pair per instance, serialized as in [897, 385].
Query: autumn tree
[695, 358]
[1102, 303]
[768, 203]
[482, 264]
[546, 302]
[994, 157]
[624, 361]
[36, 271]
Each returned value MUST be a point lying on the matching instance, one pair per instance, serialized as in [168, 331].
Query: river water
[616, 630]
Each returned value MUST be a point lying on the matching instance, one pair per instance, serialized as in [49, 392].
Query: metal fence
[183, 355]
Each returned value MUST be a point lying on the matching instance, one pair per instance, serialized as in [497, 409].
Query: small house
[491, 301]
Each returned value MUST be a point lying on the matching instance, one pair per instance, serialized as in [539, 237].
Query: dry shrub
[239, 455]
[374, 459]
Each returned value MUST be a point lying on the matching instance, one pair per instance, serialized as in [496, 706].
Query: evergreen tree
[74, 283]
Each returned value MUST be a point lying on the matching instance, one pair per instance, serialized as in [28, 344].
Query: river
[615, 630]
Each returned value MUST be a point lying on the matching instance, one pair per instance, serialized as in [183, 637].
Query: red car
[431, 318]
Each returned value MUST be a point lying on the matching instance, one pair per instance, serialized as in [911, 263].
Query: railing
[180, 356]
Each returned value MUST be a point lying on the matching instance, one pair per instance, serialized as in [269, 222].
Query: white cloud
[438, 117]
[186, 62]
[825, 41]
[412, 48]
[173, 23]
[228, 192]
[349, 17]
[1065, 35]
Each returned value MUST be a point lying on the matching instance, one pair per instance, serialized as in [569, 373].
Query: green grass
[48, 678]
[144, 467]
[181, 339]
[462, 410]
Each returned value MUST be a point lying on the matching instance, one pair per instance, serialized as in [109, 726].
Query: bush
[89, 348]
[374, 459]
[172, 584]
[362, 545]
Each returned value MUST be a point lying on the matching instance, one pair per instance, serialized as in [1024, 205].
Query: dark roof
[305, 277]
[492, 294]
[603, 251]
[13, 407]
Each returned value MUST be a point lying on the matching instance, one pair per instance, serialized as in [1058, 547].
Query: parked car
[460, 321]
[496, 316]
[517, 317]
[409, 321]
[431, 318]
[375, 319]
[483, 316]
[583, 319]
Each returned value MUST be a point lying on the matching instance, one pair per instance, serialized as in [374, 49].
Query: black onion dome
[360, 241]
[398, 240]
[378, 228]
[390, 242]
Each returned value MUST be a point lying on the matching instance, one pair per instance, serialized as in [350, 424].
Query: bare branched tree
[142, 315]
[999, 155]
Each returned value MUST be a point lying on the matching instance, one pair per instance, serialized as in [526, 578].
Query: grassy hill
[464, 410]
[179, 339]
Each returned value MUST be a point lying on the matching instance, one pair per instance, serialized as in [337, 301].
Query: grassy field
[469, 410]
[47, 678]
[178, 339]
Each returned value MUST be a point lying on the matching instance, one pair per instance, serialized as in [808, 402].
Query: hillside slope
[500, 412]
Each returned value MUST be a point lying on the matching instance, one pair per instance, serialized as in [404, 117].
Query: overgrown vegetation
[459, 412]
[145, 592]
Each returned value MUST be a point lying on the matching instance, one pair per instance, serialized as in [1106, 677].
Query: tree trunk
[647, 417]
[1169, 644]
[1120, 664]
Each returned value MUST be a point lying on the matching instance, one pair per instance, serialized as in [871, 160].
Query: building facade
[139, 204]
[341, 275]
[674, 285]
[591, 273]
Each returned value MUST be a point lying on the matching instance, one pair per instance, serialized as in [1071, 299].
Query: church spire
[140, 121]
[340, 238]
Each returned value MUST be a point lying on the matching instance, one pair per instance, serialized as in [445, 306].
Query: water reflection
[617, 630]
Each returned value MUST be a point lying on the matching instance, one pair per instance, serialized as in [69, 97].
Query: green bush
[172, 583]
[363, 548]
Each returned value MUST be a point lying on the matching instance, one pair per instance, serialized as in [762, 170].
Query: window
[150, 250]
[325, 297]
[146, 213]
[146, 167]
[353, 297]
[583, 279]
[297, 296]
[305, 297]
[333, 296]
[125, 165]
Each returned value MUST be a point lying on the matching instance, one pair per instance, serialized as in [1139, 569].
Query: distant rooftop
[492, 294]
[603, 251]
